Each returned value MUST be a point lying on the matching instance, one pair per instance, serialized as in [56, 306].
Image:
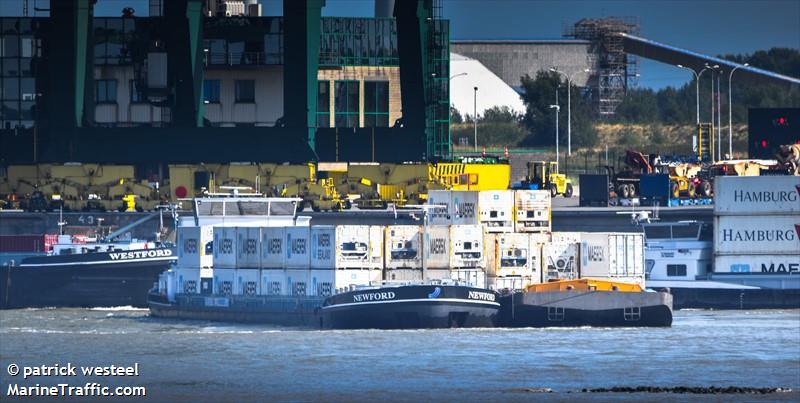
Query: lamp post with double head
[730, 109]
[557, 108]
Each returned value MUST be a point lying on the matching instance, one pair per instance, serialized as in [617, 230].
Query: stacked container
[467, 256]
[437, 252]
[457, 207]
[514, 261]
[559, 261]
[497, 210]
[532, 209]
[192, 243]
[403, 253]
[298, 260]
[225, 260]
[359, 255]
[273, 256]
[323, 260]
[612, 256]
[757, 230]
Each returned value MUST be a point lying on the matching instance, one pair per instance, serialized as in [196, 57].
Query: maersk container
[247, 281]
[757, 235]
[403, 246]
[758, 264]
[465, 207]
[496, 209]
[225, 247]
[273, 247]
[345, 278]
[273, 282]
[359, 246]
[403, 275]
[437, 247]
[560, 261]
[757, 195]
[532, 209]
[297, 282]
[466, 247]
[472, 277]
[323, 247]
[442, 214]
[512, 255]
[248, 240]
[605, 254]
[188, 280]
[323, 282]
[298, 251]
[195, 246]
[224, 280]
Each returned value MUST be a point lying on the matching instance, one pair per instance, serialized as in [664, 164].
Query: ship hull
[411, 307]
[582, 308]
[728, 298]
[277, 310]
[91, 280]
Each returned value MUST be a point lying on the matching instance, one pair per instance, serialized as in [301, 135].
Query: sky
[711, 27]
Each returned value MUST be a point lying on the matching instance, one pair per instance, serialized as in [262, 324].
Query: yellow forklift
[544, 175]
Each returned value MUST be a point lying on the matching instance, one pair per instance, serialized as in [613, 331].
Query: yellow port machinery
[545, 175]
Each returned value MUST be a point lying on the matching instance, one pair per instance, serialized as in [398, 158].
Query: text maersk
[765, 196]
[729, 235]
[141, 254]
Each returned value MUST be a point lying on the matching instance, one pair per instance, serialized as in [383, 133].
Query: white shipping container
[224, 280]
[248, 240]
[497, 210]
[472, 277]
[297, 282]
[532, 210]
[359, 246]
[323, 282]
[437, 274]
[225, 247]
[188, 280]
[273, 282]
[247, 281]
[273, 244]
[403, 274]
[323, 247]
[756, 195]
[191, 245]
[764, 235]
[403, 246]
[605, 254]
[298, 252]
[442, 214]
[560, 261]
[509, 283]
[437, 247]
[514, 255]
[347, 277]
[758, 264]
[566, 237]
[466, 247]
[465, 207]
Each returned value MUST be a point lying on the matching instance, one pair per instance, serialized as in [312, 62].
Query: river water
[205, 361]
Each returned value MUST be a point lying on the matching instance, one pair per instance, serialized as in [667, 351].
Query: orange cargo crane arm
[638, 160]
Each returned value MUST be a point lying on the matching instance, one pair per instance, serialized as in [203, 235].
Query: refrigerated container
[512, 255]
[496, 209]
[297, 282]
[532, 209]
[757, 195]
[403, 275]
[224, 280]
[757, 235]
[188, 280]
[273, 282]
[273, 251]
[298, 252]
[403, 246]
[323, 282]
[195, 247]
[466, 247]
[247, 281]
[248, 241]
[345, 278]
[560, 261]
[472, 277]
[225, 247]
[359, 246]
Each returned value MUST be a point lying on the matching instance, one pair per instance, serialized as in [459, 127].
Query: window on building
[376, 104]
[346, 95]
[676, 270]
[137, 96]
[324, 104]
[211, 91]
[105, 91]
[245, 91]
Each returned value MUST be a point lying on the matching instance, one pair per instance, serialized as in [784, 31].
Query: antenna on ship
[61, 222]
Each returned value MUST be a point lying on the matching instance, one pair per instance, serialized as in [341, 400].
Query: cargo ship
[98, 274]
[443, 304]
[586, 302]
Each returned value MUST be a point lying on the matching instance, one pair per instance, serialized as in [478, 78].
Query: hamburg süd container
[497, 210]
[757, 195]
[757, 235]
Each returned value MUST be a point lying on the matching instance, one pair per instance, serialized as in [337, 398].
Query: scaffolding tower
[614, 70]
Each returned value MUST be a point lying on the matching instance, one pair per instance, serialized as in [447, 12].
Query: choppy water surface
[183, 360]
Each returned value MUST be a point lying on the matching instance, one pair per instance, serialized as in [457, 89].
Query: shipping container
[758, 264]
[403, 275]
[757, 235]
[323, 247]
[357, 277]
[532, 208]
[359, 246]
[273, 282]
[437, 247]
[23, 243]
[465, 207]
[323, 281]
[472, 277]
[224, 280]
[195, 248]
[466, 247]
[440, 215]
[513, 255]
[189, 280]
[248, 240]
[436, 274]
[297, 282]
[508, 283]
[497, 210]
[566, 237]
[403, 246]
[605, 254]
[560, 261]
[273, 253]
[225, 247]
[757, 195]
[247, 281]
[298, 252]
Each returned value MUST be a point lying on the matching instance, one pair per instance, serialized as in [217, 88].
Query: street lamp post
[730, 109]
[475, 116]
[719, 115]
[713, 68]
[557, 108]
[697, 101]
[569, 106]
